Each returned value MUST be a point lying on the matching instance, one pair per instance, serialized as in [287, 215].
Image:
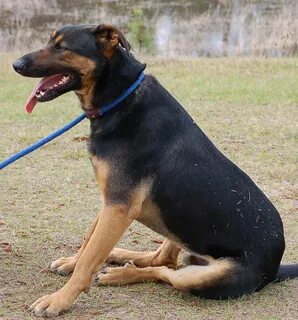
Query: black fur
[210, 204]
[205, 200]
[288, 271]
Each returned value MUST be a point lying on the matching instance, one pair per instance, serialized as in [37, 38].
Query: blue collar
[98, 112]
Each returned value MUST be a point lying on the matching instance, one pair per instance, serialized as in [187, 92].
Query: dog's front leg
[112, 223]
[65, 266]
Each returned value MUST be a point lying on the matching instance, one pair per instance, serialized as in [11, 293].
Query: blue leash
[71, 124]
[41, 142]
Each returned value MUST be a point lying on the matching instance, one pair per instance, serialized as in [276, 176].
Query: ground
[248, 107]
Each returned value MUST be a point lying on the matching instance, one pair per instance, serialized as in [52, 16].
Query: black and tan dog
[154, 165]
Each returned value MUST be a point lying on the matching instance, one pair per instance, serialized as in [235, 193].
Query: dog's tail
[286, 271]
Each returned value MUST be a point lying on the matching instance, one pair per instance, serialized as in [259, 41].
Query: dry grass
[249, 109]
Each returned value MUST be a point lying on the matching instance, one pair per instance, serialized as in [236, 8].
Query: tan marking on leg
[112, 223]
[198, 277]
[101, 169]
[165, 255]
[139, 195]
[151, 217]
[65, 266]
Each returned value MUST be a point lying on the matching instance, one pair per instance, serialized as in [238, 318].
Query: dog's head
[73, 59]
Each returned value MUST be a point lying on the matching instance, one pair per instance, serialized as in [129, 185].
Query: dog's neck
[119, 73]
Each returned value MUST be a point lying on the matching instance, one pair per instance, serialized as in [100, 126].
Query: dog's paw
[63, 266]
[115, 276]
[51, 305]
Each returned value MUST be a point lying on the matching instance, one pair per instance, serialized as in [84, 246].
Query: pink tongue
[31, 104]
[32, 99]
[43, 84]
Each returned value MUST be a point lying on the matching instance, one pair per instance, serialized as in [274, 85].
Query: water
[166, 28]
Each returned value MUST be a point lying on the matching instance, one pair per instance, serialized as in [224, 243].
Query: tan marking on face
[54, 34]
[59, 39]
[85, 67]
[108, 40]
[109, 37]
[109, 47]
[82, 64]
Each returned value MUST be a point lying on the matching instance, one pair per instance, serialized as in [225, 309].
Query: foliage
[140, 32]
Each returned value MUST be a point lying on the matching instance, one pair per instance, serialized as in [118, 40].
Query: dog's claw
[103, 271]
[50, 305]
[62, 272]
[63, 266]
[129, 264]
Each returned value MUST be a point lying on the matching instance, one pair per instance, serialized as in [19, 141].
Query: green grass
[248, 107]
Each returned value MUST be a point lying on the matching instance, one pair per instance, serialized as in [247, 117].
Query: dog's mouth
[50, 88]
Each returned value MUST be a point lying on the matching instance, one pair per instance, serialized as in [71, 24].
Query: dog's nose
[19, 65]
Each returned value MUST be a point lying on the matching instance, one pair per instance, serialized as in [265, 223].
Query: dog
[153, 164]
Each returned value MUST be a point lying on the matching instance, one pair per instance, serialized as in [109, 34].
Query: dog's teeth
[39, 94]
[62, 81]
[65, 79]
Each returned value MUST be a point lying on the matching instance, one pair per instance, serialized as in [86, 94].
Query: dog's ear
[109, 37]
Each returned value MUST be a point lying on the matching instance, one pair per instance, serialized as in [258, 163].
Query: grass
[248, 107]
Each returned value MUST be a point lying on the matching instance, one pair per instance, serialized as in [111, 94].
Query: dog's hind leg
[192, 276]
[165, 255]
[219, 279]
